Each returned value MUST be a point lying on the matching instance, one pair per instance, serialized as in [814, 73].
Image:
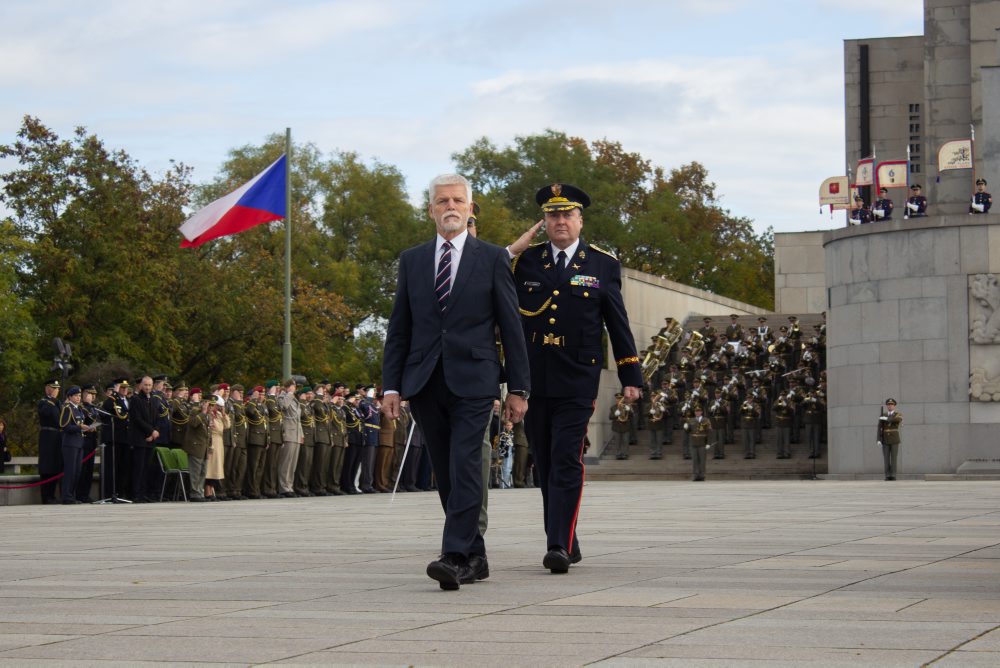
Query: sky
[751, 89]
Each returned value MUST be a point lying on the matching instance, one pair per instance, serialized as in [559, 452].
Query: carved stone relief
[984, 337]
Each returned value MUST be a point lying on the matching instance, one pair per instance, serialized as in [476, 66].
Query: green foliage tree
[669, 225]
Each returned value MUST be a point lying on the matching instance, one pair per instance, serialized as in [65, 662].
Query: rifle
[881, 426]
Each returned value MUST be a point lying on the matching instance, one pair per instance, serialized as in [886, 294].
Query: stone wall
[799, 272]
[899, 326]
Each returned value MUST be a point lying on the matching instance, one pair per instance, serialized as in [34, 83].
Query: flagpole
[286, 349]
[972, 154]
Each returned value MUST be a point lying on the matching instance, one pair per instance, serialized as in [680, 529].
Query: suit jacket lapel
[470, 256]
[426, 266]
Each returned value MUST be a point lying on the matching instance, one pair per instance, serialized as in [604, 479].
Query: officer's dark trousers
[453, 431]
[141, 457]
[319, 478]
[890, 456]
[784, 438]
[336, 468]
[255, 470]
[72, 463]
[352, 462]
[812, 434]
[304, 468]
[698, 453]
[50, 463]
[86, 480]
[555, 428]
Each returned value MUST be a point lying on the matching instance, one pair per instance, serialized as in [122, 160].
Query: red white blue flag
[260, 200]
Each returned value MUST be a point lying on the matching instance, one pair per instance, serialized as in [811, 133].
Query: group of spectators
[273, 440]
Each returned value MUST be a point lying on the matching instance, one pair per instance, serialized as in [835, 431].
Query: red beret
[259, 388]
[195, 390]
[223, 386]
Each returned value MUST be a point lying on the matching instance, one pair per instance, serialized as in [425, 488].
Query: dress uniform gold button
[555, 293]
[555, 307]
[586, 294]
[552, 321]
[593, 361]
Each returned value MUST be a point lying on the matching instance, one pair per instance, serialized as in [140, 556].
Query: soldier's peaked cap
[561, 197]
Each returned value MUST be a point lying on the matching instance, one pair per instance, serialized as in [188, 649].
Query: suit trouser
[487, 453]
[337, 451]
[255, 469]
[141, 457]
[556, 428]
[698, 453]
[319, 479]
[303, 468]
[228, 461]
[352, 463]
[269, 476]
[288, 459]
[196, 472]
[72, 463]
[890, 455]
[383, 466]
[238, 472]
[453, 430]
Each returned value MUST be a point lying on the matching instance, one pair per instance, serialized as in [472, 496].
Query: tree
[669, 226]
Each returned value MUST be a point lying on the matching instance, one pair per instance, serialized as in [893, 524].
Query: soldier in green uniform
[319, 478]
[888, 437]
[718, 417]
[338, 439]
[256, 417]
[197, 440]
[269, 478]
[620, 415]
[698, 429]
[179, 415]
[749, 421]
[238, 435]
[812, 416]
[303, 468]
[783, 423]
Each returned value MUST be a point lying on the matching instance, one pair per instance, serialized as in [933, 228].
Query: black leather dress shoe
[556, 560]
[479, 569]
[449, 571]
[575, 556]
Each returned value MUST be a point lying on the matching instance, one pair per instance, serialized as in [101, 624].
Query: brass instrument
[657, 354]
[658, 407]
[695, 345]
[624, 410]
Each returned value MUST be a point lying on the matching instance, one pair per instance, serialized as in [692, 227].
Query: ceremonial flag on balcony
[955, 154]
[866, 172]
[260, 200]
[892, 174]
[835, 191]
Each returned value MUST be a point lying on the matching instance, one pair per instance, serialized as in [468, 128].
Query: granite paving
[722, 573]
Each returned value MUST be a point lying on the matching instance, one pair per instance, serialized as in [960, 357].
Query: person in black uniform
[142, 435]
[91, 438]
[72, 423]
[118, 468]
[860, 214]
[981, 200]
[50, 460]
[882, 210]
[916, 205]
[568, 292]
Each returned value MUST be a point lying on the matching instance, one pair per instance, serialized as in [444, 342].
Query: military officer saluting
[981, 200]
[568, 292]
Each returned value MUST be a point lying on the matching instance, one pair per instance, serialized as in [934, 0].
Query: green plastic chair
[169, 466]
[181, 459]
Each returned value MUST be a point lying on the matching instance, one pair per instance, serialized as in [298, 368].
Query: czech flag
[260, 200]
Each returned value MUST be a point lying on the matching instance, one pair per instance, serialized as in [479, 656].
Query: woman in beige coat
[214, 473]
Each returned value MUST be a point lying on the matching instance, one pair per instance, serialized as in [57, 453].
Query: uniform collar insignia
[548, 265]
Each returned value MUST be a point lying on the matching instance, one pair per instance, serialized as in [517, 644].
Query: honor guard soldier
[91, 438]
[257, 436]
[238, 434]
[116, 435]
[569, 291]
[981, 200]
[888, 437]
[620, 415]
[860, 213]
[50, 461]
[749, 423]
[882, 209]
[319, 477]
[709, 336]
[304, 466]
[338, 439]
[916, 205]
[269, 478]
[734, 330]
[698, 428]
[783, 422]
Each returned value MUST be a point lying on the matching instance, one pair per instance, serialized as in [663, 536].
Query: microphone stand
[114, 482]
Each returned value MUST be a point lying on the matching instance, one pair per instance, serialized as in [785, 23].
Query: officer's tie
[442, 282]
[560, 265]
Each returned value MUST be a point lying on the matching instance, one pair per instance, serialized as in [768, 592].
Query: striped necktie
[442, 281]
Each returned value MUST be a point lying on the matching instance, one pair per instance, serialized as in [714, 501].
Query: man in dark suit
[142, 434]
[569, 292]
[440, 353]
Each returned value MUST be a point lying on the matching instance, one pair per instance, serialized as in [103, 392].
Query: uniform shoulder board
[537, 243]
[601, 250]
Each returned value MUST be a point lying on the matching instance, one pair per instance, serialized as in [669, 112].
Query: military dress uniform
[319, 478]
[238, 437]
[565, 304]
[197, 441]
[981, 201]
[116, 429]
[620, 415]
[885, 206]
[888, 438]
[257, 437]
[812, 416]
[718, 417]
[71, 424]
[90, 442]
[916, 204]
[338, 447]
[303, 468]
[783, 422]
[50, 460]
[269, 477]
[749, 423]
[698, 428]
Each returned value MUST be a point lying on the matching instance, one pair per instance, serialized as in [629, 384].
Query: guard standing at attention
[568, 291]
[981, 200]
[50, 461]
[888, 437]
[882, 210]
[916, 205]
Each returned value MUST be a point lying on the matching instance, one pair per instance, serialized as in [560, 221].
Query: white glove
[879, 213]
[978, 207]
[912, 207]
[687, 427]
[617, 413]
[878, 443]
[884, 418]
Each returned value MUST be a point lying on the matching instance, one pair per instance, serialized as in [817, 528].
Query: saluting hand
[524, 240]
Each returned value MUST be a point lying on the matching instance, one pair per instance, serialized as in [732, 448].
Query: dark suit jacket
[463, 338]
[141, 419]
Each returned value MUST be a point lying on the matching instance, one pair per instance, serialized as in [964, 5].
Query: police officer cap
[73, 390]
[52, 382]
[890, 400]
[561, 197]
[915, 186]
[90, 387]
[160, 378]
[980, 182]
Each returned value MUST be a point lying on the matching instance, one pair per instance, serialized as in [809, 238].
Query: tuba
[695, 345]
[657, 354]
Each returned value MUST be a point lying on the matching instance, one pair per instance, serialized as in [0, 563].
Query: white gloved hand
[879, 443]
[912, 207]
[978, 207]
[884, 418]
[879, 213]
[617, 413]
